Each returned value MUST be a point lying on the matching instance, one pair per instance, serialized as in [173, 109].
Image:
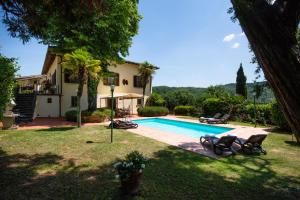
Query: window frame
[106, 81]
[136, 80]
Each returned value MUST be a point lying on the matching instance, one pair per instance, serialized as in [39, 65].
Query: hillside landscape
[266, 97]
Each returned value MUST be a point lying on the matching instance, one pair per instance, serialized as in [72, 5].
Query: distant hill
[267, 95]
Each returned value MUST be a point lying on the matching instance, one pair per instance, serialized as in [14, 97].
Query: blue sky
[193, 42]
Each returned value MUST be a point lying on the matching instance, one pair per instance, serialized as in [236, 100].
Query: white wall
[45, 109]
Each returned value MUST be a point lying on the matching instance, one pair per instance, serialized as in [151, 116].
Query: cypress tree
[241, 79]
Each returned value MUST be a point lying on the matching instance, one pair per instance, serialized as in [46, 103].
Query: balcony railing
[39, 89]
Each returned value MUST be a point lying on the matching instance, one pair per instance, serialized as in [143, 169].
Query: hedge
[100, 115]
[211, 106]
[263, 112]
[278, 118]
[153, 111]
[184, 110]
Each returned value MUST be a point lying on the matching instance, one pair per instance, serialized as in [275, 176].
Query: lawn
[71, 163]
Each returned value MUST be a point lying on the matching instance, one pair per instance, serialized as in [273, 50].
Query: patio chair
[219, 145]
[119, 124]
[252, 144]
[204, 119]
[222, 120]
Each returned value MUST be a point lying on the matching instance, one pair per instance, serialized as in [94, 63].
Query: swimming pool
[189, 129]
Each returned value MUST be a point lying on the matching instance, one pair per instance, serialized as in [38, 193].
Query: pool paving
[193, 144]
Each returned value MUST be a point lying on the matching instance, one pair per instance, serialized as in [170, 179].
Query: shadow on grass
[278, 131]
[57, 129]
[172, 173]
[293, 143]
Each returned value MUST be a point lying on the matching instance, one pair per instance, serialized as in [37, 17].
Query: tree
[155, 100]
[146, 70]
[216, 92]
[104, 27]
[241, 85]
[82, 64]
[271, 28]
[8, 70]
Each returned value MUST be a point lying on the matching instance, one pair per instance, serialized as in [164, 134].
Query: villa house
[53, 93]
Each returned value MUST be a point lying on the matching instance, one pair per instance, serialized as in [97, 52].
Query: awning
[132, 96]
[121, 96]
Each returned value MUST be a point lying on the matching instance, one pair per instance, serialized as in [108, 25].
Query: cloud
[229, 38]
[235, 45]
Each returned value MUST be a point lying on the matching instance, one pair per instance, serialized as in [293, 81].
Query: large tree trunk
[273, 40]
[82, 76]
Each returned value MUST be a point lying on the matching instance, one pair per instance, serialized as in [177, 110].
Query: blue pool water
[189, 129]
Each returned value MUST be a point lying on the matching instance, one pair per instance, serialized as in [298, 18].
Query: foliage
[71, 116]
[241, 80]
[105, 27]
[237, 104]
[216, 92]
[100, 115]
[92, 90]
[81, 63]
[180, 97]
[146, 70]
[211, 106]
[155, 100]
[263, 113]
[184, 110]
[134, 163]
[8, 70]
[153, 111]
[278, 118]
[198, 93]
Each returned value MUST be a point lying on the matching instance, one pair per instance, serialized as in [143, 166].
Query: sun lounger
[252, 144]
[119, 124]
[204, 119]
[219, 145]
[222, 120]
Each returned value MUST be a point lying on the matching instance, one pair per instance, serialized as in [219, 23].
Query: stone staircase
[25, 105]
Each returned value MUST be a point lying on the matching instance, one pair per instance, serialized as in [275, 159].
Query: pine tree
[241, 79]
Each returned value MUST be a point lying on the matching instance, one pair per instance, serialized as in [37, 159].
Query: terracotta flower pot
[131, 186]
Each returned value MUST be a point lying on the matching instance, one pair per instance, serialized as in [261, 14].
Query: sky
[194, 43]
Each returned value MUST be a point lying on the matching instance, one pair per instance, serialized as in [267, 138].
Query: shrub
[277, 117]
[211, 106]
[184, 110]
[153, 111]
[71, 115]
[100, 115]
[155, 100]
[263, 113]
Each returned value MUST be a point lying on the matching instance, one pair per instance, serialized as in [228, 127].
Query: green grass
[71, 163]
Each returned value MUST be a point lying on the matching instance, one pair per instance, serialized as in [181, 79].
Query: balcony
[41, 89]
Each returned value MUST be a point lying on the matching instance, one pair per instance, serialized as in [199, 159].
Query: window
[69, 77]
[137, 81]
[139, 101]
[107, 80]
[49, 100]
[74, 101]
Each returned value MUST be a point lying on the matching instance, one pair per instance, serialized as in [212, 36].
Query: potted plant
[130, 172]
